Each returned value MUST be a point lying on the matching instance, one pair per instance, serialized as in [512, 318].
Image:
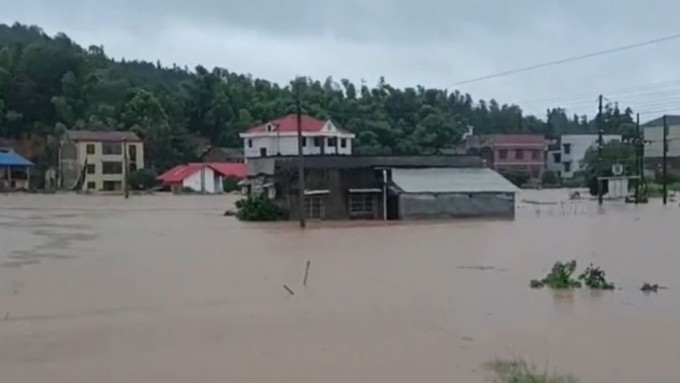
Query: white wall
[202, 181]
[655, 147]
[580, 143]
[287, 146]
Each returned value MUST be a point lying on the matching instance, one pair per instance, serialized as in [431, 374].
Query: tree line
[50, 83]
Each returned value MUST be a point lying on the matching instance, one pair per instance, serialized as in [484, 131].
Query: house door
[263, 152]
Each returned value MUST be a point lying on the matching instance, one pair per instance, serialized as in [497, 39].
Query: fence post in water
[304, 282]
[600, 145]
[665, 160]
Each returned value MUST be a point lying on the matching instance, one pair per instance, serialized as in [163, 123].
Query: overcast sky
[435, 43]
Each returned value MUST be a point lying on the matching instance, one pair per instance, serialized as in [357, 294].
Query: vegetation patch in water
[560, 277]
[594, 278]
[519, 371]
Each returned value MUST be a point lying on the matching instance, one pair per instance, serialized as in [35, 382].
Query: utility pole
[600, 145]
[665, 160]
[638, 168]
[301, 166]
[126, 181]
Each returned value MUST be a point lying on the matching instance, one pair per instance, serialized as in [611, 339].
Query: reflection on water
[164, 288]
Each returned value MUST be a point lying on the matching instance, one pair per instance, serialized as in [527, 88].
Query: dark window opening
[315, 207]
[567, 148]
[519, 154]
[263, 152]
[557, 157]
[91, 185]
[250, 143]
[112, 148]
[304, 141]
[91, 169]
[90, 148]
[503, 154]
[110, 167]
[132, 149]
[567, 167]
[343, 143]
[536, 155]
[317, 141]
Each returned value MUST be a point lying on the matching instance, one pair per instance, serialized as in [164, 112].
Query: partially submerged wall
[456, 205]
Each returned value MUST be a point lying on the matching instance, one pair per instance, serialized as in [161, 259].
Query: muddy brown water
[165, 289]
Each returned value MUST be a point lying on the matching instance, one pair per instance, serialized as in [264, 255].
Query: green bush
[594, 278]
[230, 184]
[258, 209]
[560, 277]
[550, 178]
[142, 179]
[517, 178]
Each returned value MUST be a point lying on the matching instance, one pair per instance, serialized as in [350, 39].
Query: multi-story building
[653, 134]
[95, 161]
[566, 155]
[511, 153]
[279, 138]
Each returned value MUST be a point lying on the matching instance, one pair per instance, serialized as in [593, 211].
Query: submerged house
[15, 171]
[205, 178]
[384, 187]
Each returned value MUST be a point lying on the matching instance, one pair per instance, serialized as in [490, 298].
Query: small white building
[280, 138]
[205, 178]
[568, 159]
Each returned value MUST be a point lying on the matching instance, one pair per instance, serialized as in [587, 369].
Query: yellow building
[95, 161]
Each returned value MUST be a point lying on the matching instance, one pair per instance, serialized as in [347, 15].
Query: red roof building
[279, 137]
[202, 177]
[512, 153]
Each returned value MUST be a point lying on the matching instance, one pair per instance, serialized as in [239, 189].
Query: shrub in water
[594, 278]
[258, 209]
[560, 277]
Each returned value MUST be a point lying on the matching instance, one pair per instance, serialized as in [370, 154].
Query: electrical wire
[569, 59]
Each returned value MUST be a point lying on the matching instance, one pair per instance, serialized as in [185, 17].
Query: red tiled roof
[289, 124]
[180, 172]
[236, 170]
[520, 139]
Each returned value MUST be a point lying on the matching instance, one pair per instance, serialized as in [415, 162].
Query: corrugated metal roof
[451, 180]
[13, 159]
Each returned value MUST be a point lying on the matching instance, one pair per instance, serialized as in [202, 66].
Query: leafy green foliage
[258, 209]
[559, 278]
[142, 179]
[594, 278]
[230, 184]
[46, 82]
[519, 371]
[550, 178]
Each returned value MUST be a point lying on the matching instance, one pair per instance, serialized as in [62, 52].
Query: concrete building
[565, 157]
[205, 178]
[15, 171]
[94, 161]
[384, 187]
[279, 138]
[653, 135]
[511, 153]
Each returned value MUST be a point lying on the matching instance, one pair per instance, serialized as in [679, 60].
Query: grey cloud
[429, 42]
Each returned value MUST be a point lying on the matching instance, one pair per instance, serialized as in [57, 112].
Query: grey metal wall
[456, 205]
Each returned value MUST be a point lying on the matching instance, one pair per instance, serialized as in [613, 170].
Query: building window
[91, 169]
[304, 141]
[318, 141]
[112, 185]
[111, 167]
[250, 143]
[133, 167]
[263, 152]
[91, 185]
[557, 157]
[361, 204]
[315, 206]
[343, 143]
[90, 148]
[112, 148]
[567, 167]
[536, 155]
[270, 128]
[503, 154]
[519, 154]
[567, 148]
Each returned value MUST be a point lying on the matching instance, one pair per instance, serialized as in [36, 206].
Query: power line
[570, 59]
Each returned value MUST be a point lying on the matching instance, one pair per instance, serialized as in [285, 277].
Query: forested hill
[48, 84]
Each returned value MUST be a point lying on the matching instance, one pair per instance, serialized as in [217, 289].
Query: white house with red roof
[279, 137]
[202, 177]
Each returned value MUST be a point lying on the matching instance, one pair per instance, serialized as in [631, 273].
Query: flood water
[166, 289]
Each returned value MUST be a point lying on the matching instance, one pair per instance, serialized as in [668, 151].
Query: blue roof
[13, 159]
